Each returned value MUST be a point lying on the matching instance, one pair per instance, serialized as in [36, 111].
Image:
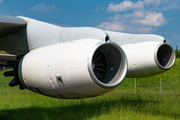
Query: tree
[177, 52]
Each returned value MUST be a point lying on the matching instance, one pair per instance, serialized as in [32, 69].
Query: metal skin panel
[126, 38]
[64, 70]
[40, 34]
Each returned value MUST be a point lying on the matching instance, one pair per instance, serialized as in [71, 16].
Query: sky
[161, 17]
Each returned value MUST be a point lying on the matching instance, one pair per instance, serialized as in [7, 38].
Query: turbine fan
[100, 65]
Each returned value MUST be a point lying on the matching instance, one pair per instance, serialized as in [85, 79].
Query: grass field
[120, 104]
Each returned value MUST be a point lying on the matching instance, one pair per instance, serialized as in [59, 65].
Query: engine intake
[165, 56]
[107, 65]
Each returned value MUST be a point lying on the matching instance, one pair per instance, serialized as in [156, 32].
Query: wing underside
[13, 35]
[10, 24]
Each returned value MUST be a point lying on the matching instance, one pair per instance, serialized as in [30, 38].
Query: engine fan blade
[100, 65]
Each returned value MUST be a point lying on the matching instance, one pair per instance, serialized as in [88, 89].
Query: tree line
[177, 51]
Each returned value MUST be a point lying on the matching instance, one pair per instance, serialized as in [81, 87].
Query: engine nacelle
[148, 58]
[74, 69]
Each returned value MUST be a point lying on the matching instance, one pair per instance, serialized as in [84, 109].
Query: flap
[6, 57]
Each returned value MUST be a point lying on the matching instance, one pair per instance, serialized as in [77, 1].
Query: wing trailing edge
[4, 58]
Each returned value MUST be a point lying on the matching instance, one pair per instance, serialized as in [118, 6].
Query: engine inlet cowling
[165, 56]
[108, 65]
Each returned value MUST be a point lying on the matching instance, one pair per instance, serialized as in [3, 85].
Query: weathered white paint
[71, 62]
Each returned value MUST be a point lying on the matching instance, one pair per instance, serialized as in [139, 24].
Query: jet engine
[148, 58]
[74, 69]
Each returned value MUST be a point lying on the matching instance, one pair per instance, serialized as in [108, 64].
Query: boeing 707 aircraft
[77, 62]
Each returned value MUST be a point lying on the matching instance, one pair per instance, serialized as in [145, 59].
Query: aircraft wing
[9, 24]
[77, 62]
[4, 58]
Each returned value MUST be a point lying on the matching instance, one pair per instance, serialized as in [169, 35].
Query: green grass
[121, 103]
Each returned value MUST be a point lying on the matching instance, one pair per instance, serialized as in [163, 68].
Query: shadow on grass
[83, 110]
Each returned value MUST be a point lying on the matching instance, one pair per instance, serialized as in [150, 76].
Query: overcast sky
[160, 17]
